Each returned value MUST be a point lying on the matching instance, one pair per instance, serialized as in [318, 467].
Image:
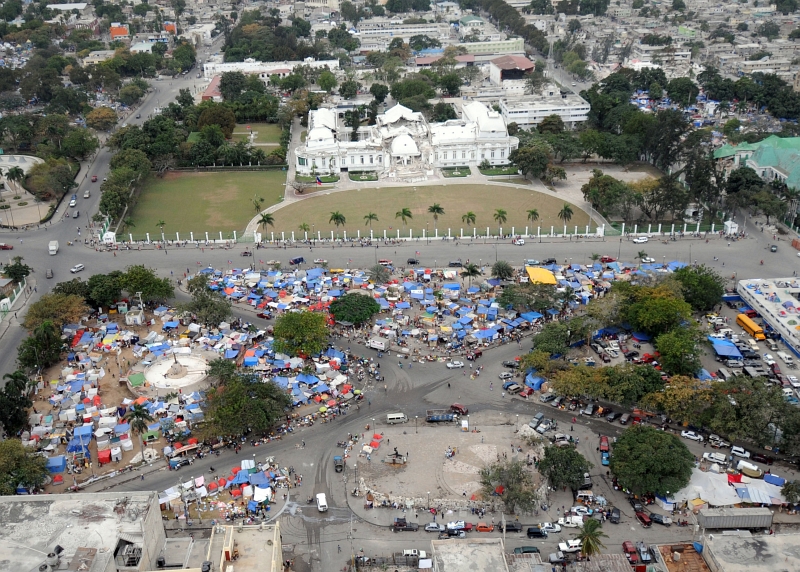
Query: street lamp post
[429, 499]
[416, 417]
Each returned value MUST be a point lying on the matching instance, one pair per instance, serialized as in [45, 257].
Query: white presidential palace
[402, 145]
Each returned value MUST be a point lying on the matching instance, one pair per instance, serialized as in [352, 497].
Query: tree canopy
[646, 460]
[564, 467]
[354, 308]
[301, 333]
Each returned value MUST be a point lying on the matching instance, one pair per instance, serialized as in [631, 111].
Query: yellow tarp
[540, 275]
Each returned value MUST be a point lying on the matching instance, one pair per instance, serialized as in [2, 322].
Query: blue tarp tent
[641, 336]
[704, 375]
[259, 480]
[531, 316]
[57, 464]
[725, 348]
[534, 381]
[83, 431]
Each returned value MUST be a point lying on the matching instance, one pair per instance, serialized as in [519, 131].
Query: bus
[750, 327]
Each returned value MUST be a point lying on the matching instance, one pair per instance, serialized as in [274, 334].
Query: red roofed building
[170, 27]
[212, 92]
[462, 61]
[507, 68]
[119, 31]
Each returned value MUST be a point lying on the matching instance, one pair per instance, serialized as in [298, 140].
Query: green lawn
[455, 199]
[499, 171]
[313, 179]
[361, 176]
[451, 172]
[200, 202]
[267, 133]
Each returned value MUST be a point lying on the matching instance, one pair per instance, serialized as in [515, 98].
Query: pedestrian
[339, 547]
[142, 477]
[503, 394]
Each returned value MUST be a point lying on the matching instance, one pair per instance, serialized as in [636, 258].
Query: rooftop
[744, 553]
[513, 63]
[777, 300]
[690, 559]
[459, 554]
[90, 529]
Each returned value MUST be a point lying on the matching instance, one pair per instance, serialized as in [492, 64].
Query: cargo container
[735, 518]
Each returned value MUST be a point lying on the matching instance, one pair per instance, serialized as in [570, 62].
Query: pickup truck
[402, 525]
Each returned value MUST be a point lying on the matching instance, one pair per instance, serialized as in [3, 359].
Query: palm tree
[160, 224]
[267, 220]
[470, 271]
[565, 213]
[595, 257]
[590, 535]
[468, 219]
[337, 219]
[369, 217]
[641, 255]
[139, 417]
[533, 215]
[404, 214]
[502, 270]
[15, 174]
[128, 222]
[435, 209]
[500, 217]
[17, 380]
[303, 226]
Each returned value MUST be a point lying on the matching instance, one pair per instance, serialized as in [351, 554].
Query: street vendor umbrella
[236, 493]
[58, 479]
[332, 403]
[375, 444]
[377, 436]
[499, 490]
[235, 470]
[323, 409]
[357, 392]
[222, 482]
[177, 445]
[212, 486]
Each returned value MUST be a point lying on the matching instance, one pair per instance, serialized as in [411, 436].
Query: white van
[723, 374]
[753, 344]
[322, 503]
[786, 358]
[392, 418]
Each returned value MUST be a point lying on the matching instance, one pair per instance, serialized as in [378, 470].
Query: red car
[4, 246]
[527, 392]
[607, 259]
[94, 178]
[603, 443]
[458, 408]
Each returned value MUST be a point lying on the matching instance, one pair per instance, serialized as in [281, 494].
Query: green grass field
[455, 199]
[266, 133]
[200, 202]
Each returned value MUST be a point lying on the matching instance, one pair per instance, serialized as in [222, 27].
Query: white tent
[711, 487]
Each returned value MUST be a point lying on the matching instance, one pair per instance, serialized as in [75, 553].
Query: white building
[528, 111]
[402, 145]
[665, 54]
[264, 69]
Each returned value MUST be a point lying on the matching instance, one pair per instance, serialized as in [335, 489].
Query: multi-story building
[777, 66]
[528, 111]
[661, 54]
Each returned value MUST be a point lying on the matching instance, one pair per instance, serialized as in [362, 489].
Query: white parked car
[550, 527]
[692, 435]
[506, 375]
[768, 359]
[455, 364]
[648, 260]
[320, 261]
[640, 240]
[570, 546]
[518, 242]
[77, 268]
[581, 511]
[740, 452]
[793, 380]
[434, 527]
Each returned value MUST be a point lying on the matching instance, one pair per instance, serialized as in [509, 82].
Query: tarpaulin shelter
[104, 457]
[57, 464]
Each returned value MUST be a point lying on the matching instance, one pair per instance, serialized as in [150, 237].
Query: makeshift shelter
[540, 275]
